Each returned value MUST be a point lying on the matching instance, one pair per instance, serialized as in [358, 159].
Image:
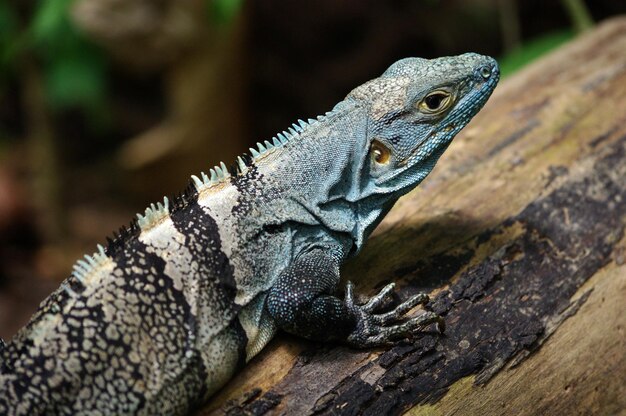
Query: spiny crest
[280, 140]
[154, 214]
[124, 234]
[216, 175]
[83, 267]
[219, 173]
[284, 137]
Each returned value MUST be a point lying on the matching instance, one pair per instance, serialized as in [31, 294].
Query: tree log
[518, 235]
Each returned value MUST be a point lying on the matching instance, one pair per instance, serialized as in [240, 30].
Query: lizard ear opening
[379, 153]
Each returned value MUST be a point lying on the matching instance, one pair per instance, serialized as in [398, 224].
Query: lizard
[161, 318]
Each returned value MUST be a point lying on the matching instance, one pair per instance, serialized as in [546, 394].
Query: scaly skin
[165, 315]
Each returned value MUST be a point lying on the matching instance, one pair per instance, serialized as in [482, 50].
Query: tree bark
[518, 235]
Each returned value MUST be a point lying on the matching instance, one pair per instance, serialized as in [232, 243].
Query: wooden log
[519, 236]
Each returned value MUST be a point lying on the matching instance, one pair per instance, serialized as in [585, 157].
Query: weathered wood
[519, 235]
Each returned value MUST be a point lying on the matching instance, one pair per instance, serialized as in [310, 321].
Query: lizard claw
[377, 300]
[376, 329]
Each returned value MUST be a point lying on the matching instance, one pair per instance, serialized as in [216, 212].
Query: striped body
[163, 317]
[177, 304]
[154, 328]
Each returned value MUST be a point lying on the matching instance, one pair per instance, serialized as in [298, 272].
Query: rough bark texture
[519, 235]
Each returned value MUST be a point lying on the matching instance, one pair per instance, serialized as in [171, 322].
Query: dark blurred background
[107, 105]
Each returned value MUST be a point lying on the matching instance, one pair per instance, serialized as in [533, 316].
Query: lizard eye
[435, 102]
[380, 153]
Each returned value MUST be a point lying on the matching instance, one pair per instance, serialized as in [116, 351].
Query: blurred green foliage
[533, 49]
[73, 69]
[223, 11]
[9, 35]
[75, 74]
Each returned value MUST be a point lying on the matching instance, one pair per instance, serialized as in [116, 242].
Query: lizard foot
[378, 329]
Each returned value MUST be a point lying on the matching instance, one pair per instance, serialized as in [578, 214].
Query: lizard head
[415, 109]
[350, 165]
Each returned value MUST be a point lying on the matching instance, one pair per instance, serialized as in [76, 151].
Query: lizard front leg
[303, 302]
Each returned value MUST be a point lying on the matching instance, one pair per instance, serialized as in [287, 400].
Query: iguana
[165, 315]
